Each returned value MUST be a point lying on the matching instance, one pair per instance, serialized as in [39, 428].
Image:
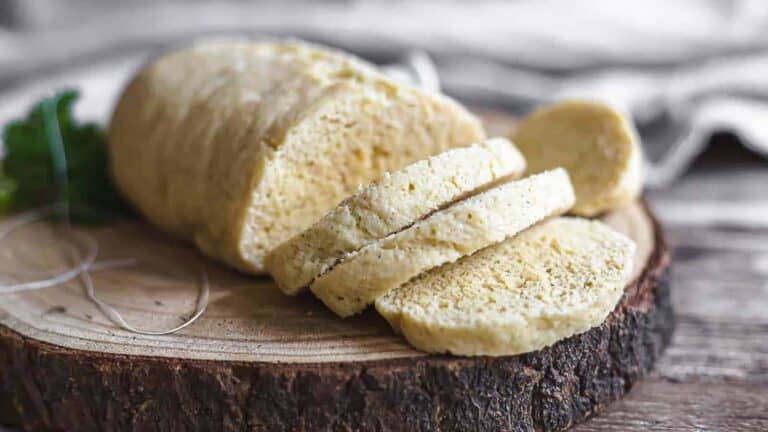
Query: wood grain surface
[291, 373]
[248, 319]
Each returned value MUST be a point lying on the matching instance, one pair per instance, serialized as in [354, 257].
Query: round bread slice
[559, 278]
[595, 143]
[393, 202]
[445, 236]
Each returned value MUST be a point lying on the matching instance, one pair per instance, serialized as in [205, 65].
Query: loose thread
[87, 263]
[33, 216]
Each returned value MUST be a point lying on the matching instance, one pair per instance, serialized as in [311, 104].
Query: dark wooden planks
[714, 375]
[662, 405]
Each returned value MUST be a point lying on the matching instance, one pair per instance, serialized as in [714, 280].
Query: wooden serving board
[259, 360]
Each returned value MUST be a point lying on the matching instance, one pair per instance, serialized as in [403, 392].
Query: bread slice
[445, 236]
[388, 205]
[595, 143]
[239, 145]
[557, 279]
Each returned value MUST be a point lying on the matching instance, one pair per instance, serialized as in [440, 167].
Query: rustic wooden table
[714, 376]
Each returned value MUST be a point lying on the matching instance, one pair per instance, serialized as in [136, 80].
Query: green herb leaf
[7, 189]
[36, 172]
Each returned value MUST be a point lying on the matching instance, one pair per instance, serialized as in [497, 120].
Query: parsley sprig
[48, 157]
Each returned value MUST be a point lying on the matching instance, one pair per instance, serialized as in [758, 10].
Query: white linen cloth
[682, 69]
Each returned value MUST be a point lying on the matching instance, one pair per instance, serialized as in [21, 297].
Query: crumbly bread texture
[393, 202]
[239, 145]
[557, 279]
[595, 143]
[445, 236]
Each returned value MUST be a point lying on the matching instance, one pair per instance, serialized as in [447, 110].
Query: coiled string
[85, 261]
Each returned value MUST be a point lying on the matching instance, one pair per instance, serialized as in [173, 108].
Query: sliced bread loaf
[388, 205]
[238, 145]
[595, 143]
[445, 236]
[557, 279]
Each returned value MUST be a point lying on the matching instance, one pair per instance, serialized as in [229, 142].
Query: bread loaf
[388, 205]
[237, 146]
[557, 279]
[443, 237]
[595, 143]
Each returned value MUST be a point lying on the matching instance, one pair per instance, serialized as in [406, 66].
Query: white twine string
[86, 263]
[114, 316]
[96, 266]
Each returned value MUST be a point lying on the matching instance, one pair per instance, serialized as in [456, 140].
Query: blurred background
[685, 70]
[692, 74]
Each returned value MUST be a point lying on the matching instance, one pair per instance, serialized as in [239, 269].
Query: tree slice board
[259, 360]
